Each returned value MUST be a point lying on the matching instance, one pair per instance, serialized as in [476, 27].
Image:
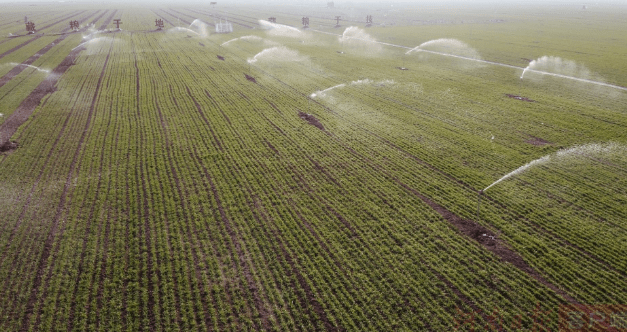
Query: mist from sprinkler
[277, 54]
[248, 38]
[280, 30]
[202, 27]
[353, 83]
[178, 29]
[586, 150]
[568, 69]
[15, 64]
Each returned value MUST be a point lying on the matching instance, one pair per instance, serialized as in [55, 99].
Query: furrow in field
[144, 213]
[43, 260]
[19, 68]
[37, 36]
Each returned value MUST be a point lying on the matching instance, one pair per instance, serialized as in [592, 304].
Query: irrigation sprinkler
[272, 19]
[117, 21]
[159, 24]
[30, 27]
[223, 27]
[305, 22]
[368, 21]
[74, 25]
[337, 18]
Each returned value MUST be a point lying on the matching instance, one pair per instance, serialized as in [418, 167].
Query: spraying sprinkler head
[480, 192]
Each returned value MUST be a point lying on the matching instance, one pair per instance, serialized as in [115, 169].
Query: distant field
[280, 178]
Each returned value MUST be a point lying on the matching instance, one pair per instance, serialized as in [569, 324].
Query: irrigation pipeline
[478, 60]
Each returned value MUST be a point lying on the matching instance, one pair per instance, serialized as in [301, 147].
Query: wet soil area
[250, 78]
[519, 98]
[311, 120]
[8, 146]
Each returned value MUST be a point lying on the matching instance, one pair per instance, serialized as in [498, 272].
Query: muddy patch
[519, 98]
[311, 120]
[201, 44]
[537, 141]
[250, 78]
[8, 146]
[220, 57]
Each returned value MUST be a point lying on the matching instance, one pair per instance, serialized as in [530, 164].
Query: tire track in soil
[52, 233]
[540, 229]
[499, 248]
[489, 241]
[36, 183]
[252, 285]
[197, 271]
[48, 86]
[146, 207]
[37, 36]
[311, 298]
[22, 66]
[81, 263]
[502, 251]
[104, 274]
[304, 184]
[177, 185]
[407, 304]
[204, 118]
[475, 231]
[164, 128]
[584, 252]
[226, 223]
[38, 178]
[299, 176]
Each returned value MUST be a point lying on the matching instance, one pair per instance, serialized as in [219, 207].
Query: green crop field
[277, 178]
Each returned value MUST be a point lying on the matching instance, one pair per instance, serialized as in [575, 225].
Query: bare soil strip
[21, 67]
[8, 39]
[26, 108]
[469, 227]
[38, 36]
[489, 241]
